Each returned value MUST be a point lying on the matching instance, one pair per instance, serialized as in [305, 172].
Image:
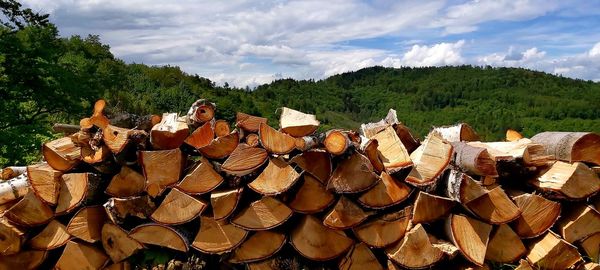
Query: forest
[46, 78]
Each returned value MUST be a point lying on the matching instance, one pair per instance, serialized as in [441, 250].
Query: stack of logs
[293, 198]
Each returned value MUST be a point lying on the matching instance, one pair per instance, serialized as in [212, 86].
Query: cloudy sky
[254, 42]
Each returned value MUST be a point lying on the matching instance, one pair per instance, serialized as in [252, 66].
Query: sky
[248, 43]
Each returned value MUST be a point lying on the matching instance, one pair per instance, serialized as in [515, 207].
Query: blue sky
[254, 42]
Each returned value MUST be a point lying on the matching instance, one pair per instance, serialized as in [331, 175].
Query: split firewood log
[552, 252]
[12, 238]
[77, 189]
[449, 249]
[462, 188]
[124, 265]
[97, 119]
[306, 143]
[369, 130]
[369, 149]
[578, 222]
[337, 142]
[430, 161]
[153, 165]
[119, 209]
[316, 242]
[410, 141]
[160, 235]
[275, 179]
[117, 138]
[513, 135]
[44, 182]
[474, 160]
[344, 215]
[177, 208]
[352, 175]
[538, 214]
[244, 160]
[504, 246]
[117, 243]
[222, 128]
[252, 139]
[30, 211]
[275, 142]
[202, 136]
[13, 189]
[315, 162]
[457, 133]
[429, 208]
[469, 235]
[12, 172]
[494, 207]
[524, 265]
[568, 181]
[387, 192]
[571, 146]
[591, 247]
[224, 202]
[81, 256]
[248, 122]
[62, 154]
[296, 123]
[311, 197]
[259, 246]
[202, 179]
[26, 260]
[264, 214]
[87, 223]
[385, 230]
[200, 112]
[589, 266]
[54, 235]
[522, 151]
[359, 257]
[415, 251]
[221, 147]
[392, 152]
[217, 237]
[126, 183]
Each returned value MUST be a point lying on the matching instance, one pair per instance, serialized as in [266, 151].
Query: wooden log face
[178, 208]
[504, 246]
[202, 179]
[459, 132]
[216, 238]
[591, 247]
[11, 238]
[470, 236]
[392, 152]
[316, 242]
[116, 138]
[81, 256]
[296, 123]
[117, 244]
[429, 208]
[248, 122]
[53, 236]
[73, 189]
[244, 160]
[126, 183]
[571, 146]
[259, 246]
[154, 164]
[224, 202]
[29, 211]
[537, 215]
[274, 141]
[317, 163]
[551, 252]
[275, 179]
[385, 230]
[352, 175]
[385, 193]
[169, 133]
[359, 257]
[346, 214]
[61, 154]
[87, 223]
[579, 222]
[494, 207]
[430, 161]
[312, 197]
[571, 181]
[221, 147]
[202, 136]
[44, 181]
[264, 214]
[415, 251]
[159, 235]
[26, 260]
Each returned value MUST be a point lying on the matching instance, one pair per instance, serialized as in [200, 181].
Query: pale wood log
[352, 175]
[359, 257]
[259, 246]
[202, 136]
[126, 183]
[77, 189]
[494, 207]
[117, 243]
[345, 214]
[316, 242]
[370, 129]
[26, 260]
[248, 122]
[264, 214]
[513, 135]
[177, 208]
[387, 192]
[471, 236]
[429, 208]
[13, 189]
[296, 123]
[315, 162]
[474, 160]
[504, 246]
[457, 133]
[201, 111]
[12, 238]
[44, 182]
[160, 235]
[311, 197]
[524, 265]
[275, 179]
[30, 211]
[336, 142]
[571, 146]
[54, 235]
[538, 214]
[244, 160]
[462, 188]
[552, 252]
[385, 230]
[202, 179]
[119, 209]
[225, 202]
[591, 247]
[117, 138]
[217, 237]
[12, 172]
[252, 139]
[81, 256]
[369, 149]
[522, 151]
[578, 222]
[569, 181]
[87, 223]
[430, 161]
[221, 147]
[410, 141]
[222, 128]
[392, 152]
[62, 154]
[153, 165]
[275, 142]
[415, 251]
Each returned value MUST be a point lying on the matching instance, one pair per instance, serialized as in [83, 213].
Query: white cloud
[436, 55]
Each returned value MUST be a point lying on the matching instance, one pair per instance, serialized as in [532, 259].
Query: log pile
[252, 196]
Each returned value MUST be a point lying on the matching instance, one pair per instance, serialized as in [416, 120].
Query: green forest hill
[46, 79]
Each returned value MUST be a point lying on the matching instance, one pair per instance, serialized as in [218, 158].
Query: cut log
[221, 147]
[30, 211]
[76, 189]
[61, 154]
[169, 133]
[430, 161]
[524, 265]
[13, 189]
[159, 235]
[370, 151]
[248, 122]
[117, 138]
[202, 136]
[470, 236]
[306, 143]
[336, 142]
[551, 252]
[504, 246]
[125, 265]
[385, 230]
[296, 123]
[429, 208]
[589, 266]
[26, 260]
[44, 181]
[522, 151]
[96, 156]
[117, 244]
[224, 202]
[252, 139]
[359, 257]
[538, 214]
[311, 197]
[154, 163]
[578, 222]
[97, 119]
[264, 214]
[571, 146]
[370, 129]
[387, 192]
[591, 247]
[316, 242]
[244, 160]
[513, 135]
[409, 141]
[119, 209]
[474, 160]
[126, 183]
[217, 237]
[274, 141]
[12, 238]
[494, 207]
[81, 256]
[449, 249]
[177, 208]
[570, 181]
[457, 133]
[54, 235]
[259, 246]
[392, 152]
[201, 111]
[87, 223]
[352, 175]
[275, 179]
[222, 128]
[315, 162]
[12, 172]
[202, 179]
[344, 215]
[462, 188]
[415, 251]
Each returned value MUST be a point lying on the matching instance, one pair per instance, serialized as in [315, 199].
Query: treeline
[45, 78]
